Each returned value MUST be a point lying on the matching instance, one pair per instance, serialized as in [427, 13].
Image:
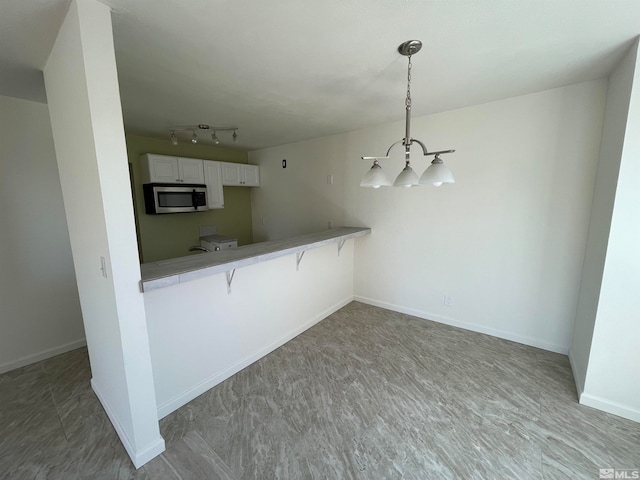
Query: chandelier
[436, 174]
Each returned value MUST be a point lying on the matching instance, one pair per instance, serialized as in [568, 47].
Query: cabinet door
[231, 174]
[161, 169]
[191, 170]
[213, 179]
[250, 176]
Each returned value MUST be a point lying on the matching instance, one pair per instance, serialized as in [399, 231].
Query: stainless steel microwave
[172, 198]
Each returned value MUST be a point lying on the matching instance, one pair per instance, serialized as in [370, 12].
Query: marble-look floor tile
[189, 458]
[364, 394]
[581, 440]
[99, 454]
[174, 427]
[32, 440]
[68, 375]
[23, 388]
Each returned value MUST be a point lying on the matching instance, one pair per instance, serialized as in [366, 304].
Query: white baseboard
[43, 355]
[138, 456]
[514, 337]
[577, 375]
[185, 397]
[608, 406]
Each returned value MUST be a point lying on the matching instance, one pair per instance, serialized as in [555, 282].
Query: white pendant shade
[375, 177]
[436, 175]
[407, 178]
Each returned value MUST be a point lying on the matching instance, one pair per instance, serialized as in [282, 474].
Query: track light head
[235, 136]
[214, 137]
[194, 137]
[174, 139]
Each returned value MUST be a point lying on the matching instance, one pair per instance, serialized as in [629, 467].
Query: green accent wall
[169, 236]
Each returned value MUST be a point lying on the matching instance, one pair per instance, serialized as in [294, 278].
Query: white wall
[40, 314]
[200, 335]
[613, 374]
[298, 199]
[86, 120]
[506, 241]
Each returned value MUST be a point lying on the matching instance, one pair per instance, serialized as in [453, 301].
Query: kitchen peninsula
[179, 270]
[210, 315]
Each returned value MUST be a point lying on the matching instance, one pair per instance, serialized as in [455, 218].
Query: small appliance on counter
[213, 243]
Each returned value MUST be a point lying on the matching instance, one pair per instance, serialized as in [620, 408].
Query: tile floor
[365, 394]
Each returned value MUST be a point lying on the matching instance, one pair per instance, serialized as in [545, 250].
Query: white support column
[604, 351]
[86, 119]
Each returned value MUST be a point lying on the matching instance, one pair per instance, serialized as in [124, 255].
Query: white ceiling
[288, 70]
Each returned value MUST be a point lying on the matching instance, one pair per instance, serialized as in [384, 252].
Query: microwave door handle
[194, 199]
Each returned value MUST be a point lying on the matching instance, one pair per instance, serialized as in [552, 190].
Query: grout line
[53, 400]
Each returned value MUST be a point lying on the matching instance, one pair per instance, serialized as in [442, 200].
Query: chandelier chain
[408, 100]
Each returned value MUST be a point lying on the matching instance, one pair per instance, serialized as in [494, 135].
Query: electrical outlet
[264, 220]
[329, 224]
[448, 300]
[330, 179]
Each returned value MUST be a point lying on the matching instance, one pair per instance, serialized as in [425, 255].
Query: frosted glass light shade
[406, 178]
[375, 177]
[437, 174]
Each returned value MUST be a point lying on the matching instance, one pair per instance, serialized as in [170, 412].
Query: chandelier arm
[424, 147]
[440, 152]
[393, 145]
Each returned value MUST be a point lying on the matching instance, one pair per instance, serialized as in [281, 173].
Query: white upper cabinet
[191, 170]
[251, 175]
[240, 174]
[159, 169]
[166, 169]
[213, 180]
[231, 174]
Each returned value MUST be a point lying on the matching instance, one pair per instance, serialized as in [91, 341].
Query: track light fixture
[436, 174]
[201, 127]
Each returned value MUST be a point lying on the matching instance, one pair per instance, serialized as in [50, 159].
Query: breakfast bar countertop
[165, 273]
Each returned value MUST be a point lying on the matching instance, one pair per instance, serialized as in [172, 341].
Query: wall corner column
[86, 119]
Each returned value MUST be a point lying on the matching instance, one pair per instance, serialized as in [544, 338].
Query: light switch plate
[103, 266]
